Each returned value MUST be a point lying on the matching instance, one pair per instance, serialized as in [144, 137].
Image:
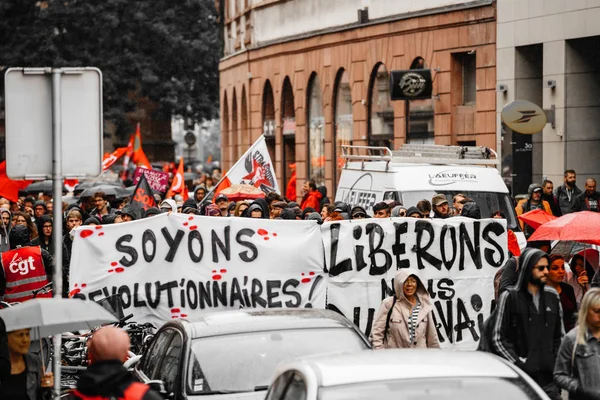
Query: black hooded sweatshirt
[523, 335]
[108, 379]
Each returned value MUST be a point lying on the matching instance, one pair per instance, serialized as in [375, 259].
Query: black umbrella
[109, 190]
[40, 187]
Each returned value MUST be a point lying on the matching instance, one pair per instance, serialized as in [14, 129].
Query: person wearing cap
[223, 203]
[532, 202]
[441, 209]
[413, 212]
[358, 213]
[276, 208]
[314, 216]
[381, 210]
[212, 210]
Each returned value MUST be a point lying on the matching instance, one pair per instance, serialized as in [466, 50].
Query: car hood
[260, 395]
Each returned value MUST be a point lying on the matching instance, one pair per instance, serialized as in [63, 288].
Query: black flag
[142, 197]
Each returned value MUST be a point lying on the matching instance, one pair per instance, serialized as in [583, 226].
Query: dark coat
[108, 379]
[582, 202]
[564, 202]
[524, 335]
[4, 356]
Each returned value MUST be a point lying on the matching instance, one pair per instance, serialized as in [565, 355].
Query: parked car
[403, 374]
[233, 354]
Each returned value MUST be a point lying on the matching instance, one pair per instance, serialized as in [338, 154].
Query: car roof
[241, 321]
[394, 364]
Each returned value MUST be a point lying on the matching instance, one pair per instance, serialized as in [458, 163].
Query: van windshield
[488, 202]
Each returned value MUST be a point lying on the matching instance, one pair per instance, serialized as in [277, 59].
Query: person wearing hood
[255, 211]
[264, 207]
[106, 377]
[130, 213]
[528, 327]
[311, 196]
[406, 319]
[168, 205]
[199, 193]
[24, 268]
[44, 240]
[5, 225]
[324, 198]
[532, 202]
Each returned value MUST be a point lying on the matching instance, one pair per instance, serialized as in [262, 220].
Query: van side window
[393, 195]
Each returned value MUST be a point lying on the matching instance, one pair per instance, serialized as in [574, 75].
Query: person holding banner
[406, 319]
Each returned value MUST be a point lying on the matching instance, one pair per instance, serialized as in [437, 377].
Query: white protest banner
[180, 266]
[457, 259]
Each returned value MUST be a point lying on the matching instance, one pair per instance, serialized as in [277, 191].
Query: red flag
[185, 192]
[70, 184]
[142, 196]
[178, 181]
[110, 159]
[139, 157]
[10, 188]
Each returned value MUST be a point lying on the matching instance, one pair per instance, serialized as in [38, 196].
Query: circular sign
[190, 138]
[523, 116]
[412, 84]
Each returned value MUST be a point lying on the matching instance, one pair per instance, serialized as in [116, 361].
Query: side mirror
[159, 387]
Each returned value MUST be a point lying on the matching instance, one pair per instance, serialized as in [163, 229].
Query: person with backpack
[405, 320]
[528, 326]
[533, 201]
[106, 377]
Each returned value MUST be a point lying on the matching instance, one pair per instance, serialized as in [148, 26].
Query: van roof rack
[422, 154]
[439, 154]
[366, 153]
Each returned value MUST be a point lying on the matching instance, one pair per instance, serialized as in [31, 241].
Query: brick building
[313, 75]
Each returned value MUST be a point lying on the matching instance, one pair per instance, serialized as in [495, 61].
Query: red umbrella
[583, 226]
[536, 218]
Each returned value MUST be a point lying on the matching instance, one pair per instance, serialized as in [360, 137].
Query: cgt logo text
[451, 176]
[18, 265]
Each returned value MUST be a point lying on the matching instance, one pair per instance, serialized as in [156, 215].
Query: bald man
[106, 376]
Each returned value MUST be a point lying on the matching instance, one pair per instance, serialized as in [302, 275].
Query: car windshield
[246, 362]
[488, 202]
[439, 389]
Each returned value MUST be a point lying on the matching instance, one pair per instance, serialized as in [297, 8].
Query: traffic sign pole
[57, 182]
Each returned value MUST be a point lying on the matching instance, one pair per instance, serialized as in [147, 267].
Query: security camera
[550, 83]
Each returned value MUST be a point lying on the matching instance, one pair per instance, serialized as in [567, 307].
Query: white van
[417, 172]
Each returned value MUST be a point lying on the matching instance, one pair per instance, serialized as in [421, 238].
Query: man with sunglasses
[528, 327]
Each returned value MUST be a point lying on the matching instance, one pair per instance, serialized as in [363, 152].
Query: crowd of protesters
[540, 296]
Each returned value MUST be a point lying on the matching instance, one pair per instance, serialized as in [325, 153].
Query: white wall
[297, 17]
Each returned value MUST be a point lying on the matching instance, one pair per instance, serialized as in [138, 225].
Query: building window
[381, 112]
[316, 133]
[469, 69]
[234, 129]
[268, 116]
[225, 131]
[343, 120]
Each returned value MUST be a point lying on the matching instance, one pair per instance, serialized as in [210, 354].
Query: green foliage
[166, 50]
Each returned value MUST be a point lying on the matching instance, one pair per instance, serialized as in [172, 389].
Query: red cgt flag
[10, 188]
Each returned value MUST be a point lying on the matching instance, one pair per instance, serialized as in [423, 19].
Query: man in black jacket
[528, 327]
[589, 200]
[566, 193]
[106, 377]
